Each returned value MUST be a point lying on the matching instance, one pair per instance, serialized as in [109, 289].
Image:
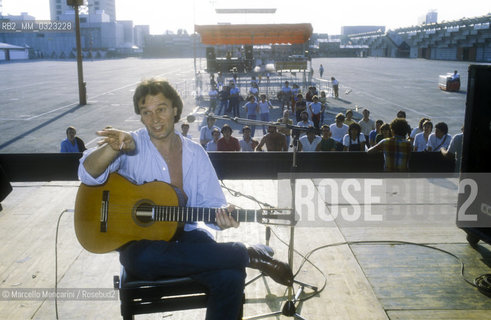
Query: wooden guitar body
[108, 216]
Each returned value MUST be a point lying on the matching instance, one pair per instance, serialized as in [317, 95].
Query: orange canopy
[254, 34]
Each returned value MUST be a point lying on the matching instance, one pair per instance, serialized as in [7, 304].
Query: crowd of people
[304, 117]
[395, 138]
[344, 134]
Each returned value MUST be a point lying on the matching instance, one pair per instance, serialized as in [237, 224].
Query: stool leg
[128, 317]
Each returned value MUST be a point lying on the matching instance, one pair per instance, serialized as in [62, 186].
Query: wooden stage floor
[362, 280]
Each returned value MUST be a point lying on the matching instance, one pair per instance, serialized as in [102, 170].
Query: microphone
[191, 117]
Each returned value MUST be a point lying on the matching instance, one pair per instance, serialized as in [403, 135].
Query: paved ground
[40, 99]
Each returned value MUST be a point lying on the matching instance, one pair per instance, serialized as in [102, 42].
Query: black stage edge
[476, 152]
[23, 167]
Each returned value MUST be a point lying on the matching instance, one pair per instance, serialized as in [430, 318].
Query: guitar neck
[192, 214]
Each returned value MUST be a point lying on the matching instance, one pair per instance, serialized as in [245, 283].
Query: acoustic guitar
[110, 215]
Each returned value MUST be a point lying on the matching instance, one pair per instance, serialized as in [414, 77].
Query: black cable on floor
[56, 259]
[482, 283]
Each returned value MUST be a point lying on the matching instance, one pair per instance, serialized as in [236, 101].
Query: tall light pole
[82, 93]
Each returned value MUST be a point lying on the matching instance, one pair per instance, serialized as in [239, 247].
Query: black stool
[169, 294]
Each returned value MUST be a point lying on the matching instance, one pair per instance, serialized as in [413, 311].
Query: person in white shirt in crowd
[454, 150]
[349, 117]
[285, 130]
[254, 90]
[421, 139]
[439, 139]
[417, 130]
[366, 124]
[213, 94]
[285, 96]
[185, 130]
[212, 144]
[335, 87]
[220, 80]
[251, 109]
[205, 132]
[295, 92]
[309, 142]
[305, 122]
[354, 140]
[338, 130]
[373, 134]
[264, 107]
[323, 101]
[247, 143]
[315, 109]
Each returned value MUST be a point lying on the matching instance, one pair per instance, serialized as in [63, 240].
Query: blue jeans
[223, 105]
[218, 266]
[233, 106]
[264, 117]
[253, 128]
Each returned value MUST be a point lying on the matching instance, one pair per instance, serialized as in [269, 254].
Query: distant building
[100, 37]
[431, 17]
[347, 30]
[139, 34]
[59, 7]
[10, 52]
[24, 16]
[108, 6]
[466, 39]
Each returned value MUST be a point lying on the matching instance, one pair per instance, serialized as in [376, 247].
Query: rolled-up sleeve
[87, 178]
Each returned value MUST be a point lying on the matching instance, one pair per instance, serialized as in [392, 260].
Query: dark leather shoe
[260, 257]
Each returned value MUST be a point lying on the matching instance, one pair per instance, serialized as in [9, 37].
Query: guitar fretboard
[192, 214]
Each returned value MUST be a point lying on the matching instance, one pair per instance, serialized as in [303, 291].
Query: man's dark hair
[422, 121]
[428, 123]
[226, 127]
[153, 87]
[354, 126]
[70, 128]
[340, 117]
[399, 127]
[442, 126]
[401, 114]
[385, 126]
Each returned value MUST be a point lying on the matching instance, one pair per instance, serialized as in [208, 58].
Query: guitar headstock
[276, 216]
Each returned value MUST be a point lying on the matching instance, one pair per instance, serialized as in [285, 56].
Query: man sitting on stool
[159, 152]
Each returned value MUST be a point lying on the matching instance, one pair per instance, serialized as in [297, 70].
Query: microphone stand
[289, 308]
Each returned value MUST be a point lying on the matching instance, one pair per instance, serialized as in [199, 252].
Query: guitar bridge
[104, 211]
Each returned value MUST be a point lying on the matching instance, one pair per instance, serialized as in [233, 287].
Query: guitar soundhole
[143, 213]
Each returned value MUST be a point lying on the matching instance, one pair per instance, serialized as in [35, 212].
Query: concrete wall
[18, 54]
[466, 39]
[483, 54]
[444, 53]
